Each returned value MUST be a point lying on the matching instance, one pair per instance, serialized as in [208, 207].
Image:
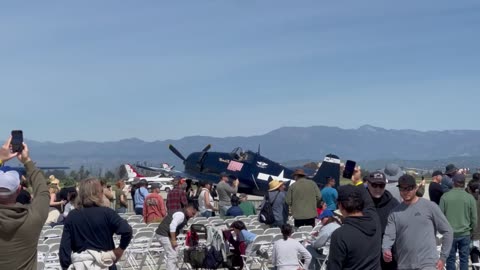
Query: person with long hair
[89, 228]
[285, 251]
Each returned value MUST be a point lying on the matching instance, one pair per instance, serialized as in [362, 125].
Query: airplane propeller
[176, 152]
[207, 148]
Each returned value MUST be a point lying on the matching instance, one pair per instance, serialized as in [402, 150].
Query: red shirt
[153, 208]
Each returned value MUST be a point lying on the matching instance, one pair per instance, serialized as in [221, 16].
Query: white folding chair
[307, 229]
[59, 227]
[139, 226]
[153, 225]
[256, 231]
[272, 231]
[262, 243]
[140, 247]
[52, 241]
[52, 260]
[52, 233]
[135, 219]
[42, 252]
[245, 220]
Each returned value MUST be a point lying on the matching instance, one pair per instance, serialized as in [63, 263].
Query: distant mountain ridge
[366, 143]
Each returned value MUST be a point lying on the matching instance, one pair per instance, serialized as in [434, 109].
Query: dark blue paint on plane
[253, 170]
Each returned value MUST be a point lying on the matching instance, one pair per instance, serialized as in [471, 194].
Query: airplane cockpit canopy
[240, 155]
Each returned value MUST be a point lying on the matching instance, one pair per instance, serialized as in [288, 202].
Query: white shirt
[201, 201]
[177, 219]
[285, 254]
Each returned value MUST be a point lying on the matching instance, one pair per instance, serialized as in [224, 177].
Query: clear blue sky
[107, 70]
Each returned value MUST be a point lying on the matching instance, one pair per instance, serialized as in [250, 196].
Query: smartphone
[349, 169]
[17, 141]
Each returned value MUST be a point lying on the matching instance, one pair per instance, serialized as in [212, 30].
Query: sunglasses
[376, 185]
[409, 188]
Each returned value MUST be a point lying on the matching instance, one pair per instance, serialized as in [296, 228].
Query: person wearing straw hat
[276, 198]
[302, 198]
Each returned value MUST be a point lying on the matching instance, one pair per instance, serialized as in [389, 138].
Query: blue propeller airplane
[253, 170]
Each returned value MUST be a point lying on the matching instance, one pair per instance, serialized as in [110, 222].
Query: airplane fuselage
[252, 170]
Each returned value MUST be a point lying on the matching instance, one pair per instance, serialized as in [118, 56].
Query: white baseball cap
[9, 180]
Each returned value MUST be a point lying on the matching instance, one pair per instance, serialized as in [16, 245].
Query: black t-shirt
[24, 197]
[435, 192]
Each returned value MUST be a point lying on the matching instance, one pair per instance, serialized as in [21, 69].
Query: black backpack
[266, 213]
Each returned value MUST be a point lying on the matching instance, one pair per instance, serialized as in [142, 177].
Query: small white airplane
[132, 174]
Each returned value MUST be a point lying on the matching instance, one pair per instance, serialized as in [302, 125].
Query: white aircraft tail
[131, 172]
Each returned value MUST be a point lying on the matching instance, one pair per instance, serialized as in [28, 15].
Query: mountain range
[373, 146]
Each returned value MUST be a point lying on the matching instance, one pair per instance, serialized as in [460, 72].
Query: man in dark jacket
[357, 243]
[384, 203]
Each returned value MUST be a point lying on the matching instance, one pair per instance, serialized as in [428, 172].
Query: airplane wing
[21, 170]
[157, 169]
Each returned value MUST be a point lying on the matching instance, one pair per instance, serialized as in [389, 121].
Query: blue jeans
[138, 211]
[121, 210]
[206, 214]
[462, 244]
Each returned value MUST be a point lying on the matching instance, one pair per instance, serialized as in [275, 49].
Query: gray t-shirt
[225, 192]
[411, 228]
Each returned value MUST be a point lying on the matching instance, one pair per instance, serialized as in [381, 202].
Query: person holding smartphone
[20, 223]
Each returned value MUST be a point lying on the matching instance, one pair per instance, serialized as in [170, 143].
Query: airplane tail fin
[330, 167]
[131, 172]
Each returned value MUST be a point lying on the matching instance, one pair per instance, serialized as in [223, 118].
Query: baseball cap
[436, 173]
[9, 182]
[377, 178]
[326, 213]
[406, 180]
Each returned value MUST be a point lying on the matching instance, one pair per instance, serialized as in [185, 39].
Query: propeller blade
[175, 151]
[207, 148]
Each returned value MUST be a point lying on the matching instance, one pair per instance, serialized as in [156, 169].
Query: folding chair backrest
[277, 237]
[263, 239]
[40, 265]
[52, 233]
[246, 220]
[146, 229]
[272, 231]
[59, 227]
[200, 222]
[253, 217]
[135, 219]
[240, 217]
[257, 231]
[305, 229]
[229, 221]
[139, 225]
[298, 235]
[51, 241]
[153, 225]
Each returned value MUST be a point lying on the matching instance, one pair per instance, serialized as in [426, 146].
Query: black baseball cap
[436, 173]
[406, 180]
[377, 178]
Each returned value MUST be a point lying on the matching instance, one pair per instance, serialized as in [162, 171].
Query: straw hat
[274, 184]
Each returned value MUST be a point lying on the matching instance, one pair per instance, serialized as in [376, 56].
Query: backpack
[266, 213]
